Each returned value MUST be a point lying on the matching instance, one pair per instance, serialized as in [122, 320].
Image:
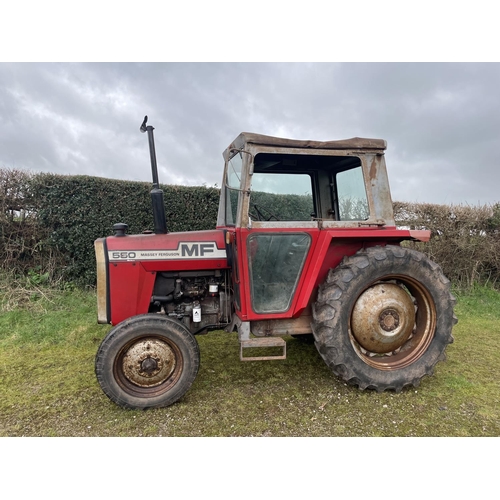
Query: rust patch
[373, 169]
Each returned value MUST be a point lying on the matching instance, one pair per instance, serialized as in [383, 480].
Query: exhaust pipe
[160, 220]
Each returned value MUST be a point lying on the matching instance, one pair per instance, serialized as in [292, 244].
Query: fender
[328, 248]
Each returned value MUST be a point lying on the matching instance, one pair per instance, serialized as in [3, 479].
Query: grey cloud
[440, 120]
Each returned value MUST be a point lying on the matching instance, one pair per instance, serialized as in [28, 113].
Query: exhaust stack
[160, 222]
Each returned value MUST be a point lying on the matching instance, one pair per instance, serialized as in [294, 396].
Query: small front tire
[147, 361]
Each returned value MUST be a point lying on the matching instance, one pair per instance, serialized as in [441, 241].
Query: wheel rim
[392, 322]
[148, 366]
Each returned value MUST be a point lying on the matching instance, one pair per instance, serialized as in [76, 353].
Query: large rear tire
[147, 361]
[383, 318]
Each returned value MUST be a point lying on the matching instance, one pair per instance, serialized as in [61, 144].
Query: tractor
[305, 246]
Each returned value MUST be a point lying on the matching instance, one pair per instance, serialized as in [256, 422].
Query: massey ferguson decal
[185, 250]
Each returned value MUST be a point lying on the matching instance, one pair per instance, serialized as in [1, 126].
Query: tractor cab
[277, 183]
[292, 210]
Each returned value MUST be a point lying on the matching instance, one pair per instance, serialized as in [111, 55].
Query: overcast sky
[441, 121]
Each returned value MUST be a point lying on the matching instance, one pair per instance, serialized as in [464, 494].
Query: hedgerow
[48, 224]
[465, 239]
[63, 215]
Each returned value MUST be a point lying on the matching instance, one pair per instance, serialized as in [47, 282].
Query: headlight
[103, 315]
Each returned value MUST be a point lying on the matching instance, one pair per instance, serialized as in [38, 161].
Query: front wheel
[147, 361]
[383, 318]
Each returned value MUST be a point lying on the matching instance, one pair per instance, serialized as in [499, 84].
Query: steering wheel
[260, 216]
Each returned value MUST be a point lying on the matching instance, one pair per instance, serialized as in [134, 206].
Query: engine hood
[200, 247]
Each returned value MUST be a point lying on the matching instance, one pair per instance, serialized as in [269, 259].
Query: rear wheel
[383, 318]
[147, 361]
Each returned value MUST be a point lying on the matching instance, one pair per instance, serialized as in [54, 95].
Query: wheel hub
[389, 320]
[148, 362]
[149, 365]
[383, 318]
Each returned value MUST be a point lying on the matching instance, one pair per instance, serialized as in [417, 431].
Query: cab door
[276, 243]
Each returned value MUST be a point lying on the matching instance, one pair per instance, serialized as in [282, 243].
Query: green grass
[48, 386]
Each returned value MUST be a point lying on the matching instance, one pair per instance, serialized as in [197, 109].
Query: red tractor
[305, 244]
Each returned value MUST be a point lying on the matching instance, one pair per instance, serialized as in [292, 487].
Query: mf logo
[185, 250]
[196, 249]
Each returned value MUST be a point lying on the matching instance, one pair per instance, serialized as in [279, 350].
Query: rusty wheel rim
[392, 322]
[148, 366]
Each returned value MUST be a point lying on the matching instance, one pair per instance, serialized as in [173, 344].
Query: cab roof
[357, 143]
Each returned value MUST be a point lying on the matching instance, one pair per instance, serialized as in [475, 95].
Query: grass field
[48, 340]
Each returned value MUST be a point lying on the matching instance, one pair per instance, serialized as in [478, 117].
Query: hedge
[80, 209]
[49, 223]
[24, 241]
[465, 239]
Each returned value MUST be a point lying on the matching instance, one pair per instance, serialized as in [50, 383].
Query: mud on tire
[383, 318]
[147, 361]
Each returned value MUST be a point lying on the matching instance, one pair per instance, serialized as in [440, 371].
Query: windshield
[285, 196]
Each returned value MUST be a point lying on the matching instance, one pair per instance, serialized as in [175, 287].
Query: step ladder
[263, 342]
